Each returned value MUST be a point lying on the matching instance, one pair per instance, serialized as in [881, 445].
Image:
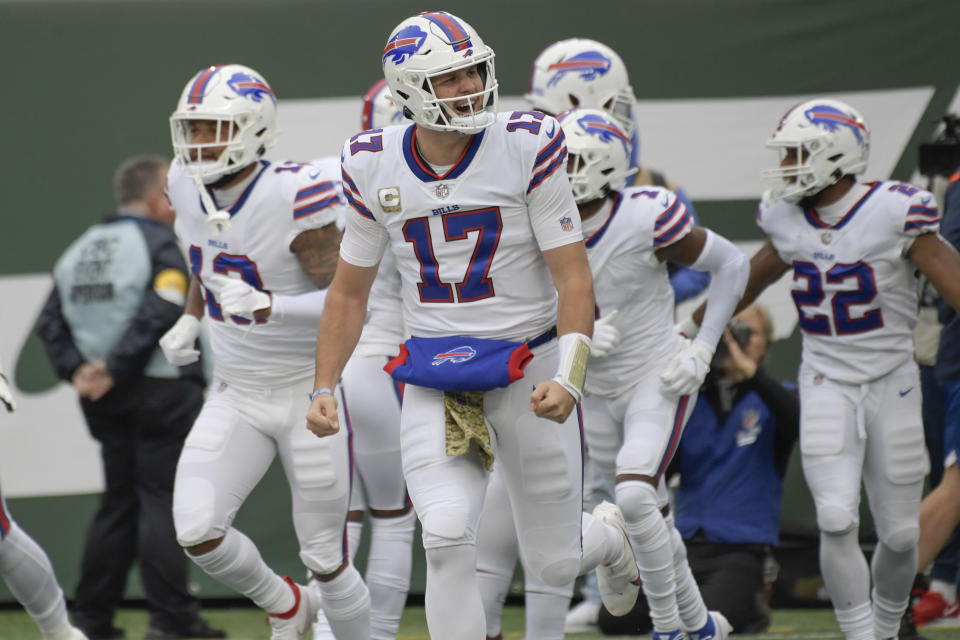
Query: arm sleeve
[730, 269]
[785, 407]
[57, 338]
[686, 282]
[159, 308]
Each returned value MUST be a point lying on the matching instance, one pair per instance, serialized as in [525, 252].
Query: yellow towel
[464, 421]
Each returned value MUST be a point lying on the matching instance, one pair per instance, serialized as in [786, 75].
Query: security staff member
[118, 288]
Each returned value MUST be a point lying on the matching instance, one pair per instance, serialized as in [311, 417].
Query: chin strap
[217, 220]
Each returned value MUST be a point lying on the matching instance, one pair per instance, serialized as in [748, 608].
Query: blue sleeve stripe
[560, 161]
[550, 149]
[348, 180]
[313, 207]
[669, 234]
[357, 205]
[916, 224]
[315, 189]
[665, 217]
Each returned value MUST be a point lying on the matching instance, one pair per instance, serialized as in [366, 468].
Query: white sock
[946, 589]
[654, 552]
[856, 623]
[354, 533]
[28, 573]
[452, 599]
[236, 562]
[346, 603]
[893, 574]
[388, 572]
[493, 593]
[496, 560]
[693, 611]
[546, 614]
[844, 570]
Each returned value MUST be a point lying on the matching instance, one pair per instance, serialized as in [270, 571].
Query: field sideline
[250, 624]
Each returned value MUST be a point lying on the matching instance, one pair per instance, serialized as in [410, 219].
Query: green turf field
[250, 624]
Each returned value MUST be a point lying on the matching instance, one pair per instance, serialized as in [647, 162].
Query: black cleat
[195, 628]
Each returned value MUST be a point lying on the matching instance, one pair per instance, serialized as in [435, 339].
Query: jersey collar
[424, 171]
[811, 214]
[596, 235]
[243, 196]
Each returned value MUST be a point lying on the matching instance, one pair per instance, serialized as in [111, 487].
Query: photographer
[731, 462]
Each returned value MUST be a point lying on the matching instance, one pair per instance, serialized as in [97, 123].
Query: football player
[479, 215]
[854, 249]
[371, 401]
[26, 569]
[636, 407]
[262, 243]
[583, 73]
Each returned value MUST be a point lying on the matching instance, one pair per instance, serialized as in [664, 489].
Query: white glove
[685, 371]
[6, 396]
[605, 336]
[236, 297]
[688, 328]
[177, 343]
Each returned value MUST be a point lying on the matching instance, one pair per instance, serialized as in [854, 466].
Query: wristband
[320, 391]
[574, 354]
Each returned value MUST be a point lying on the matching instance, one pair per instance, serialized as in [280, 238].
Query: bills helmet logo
[459, 354]
[830, 118]
[249, 86]
[404, 44]
[589, 64]
[604, 129]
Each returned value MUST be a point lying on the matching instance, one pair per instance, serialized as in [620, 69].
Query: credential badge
[389, 199]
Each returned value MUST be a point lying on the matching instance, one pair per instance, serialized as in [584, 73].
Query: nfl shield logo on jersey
[442, 191]
[566, 223]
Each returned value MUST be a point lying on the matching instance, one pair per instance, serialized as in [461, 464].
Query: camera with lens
[941, 157]
[740, 331]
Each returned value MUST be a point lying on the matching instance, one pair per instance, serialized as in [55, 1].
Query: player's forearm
[765, 269]
[575, 306]
[339, 331]
[194, 305]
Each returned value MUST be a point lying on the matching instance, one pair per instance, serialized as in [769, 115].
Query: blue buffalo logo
[830, 118]
[249, 86]
[589, 64]
[459, 354]
[595, 125]
[403, 45]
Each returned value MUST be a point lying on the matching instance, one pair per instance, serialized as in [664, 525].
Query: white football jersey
[281, 201]
[331, 166]
[468, 242]
[384, 329]
[855, 289]
[621, 240]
